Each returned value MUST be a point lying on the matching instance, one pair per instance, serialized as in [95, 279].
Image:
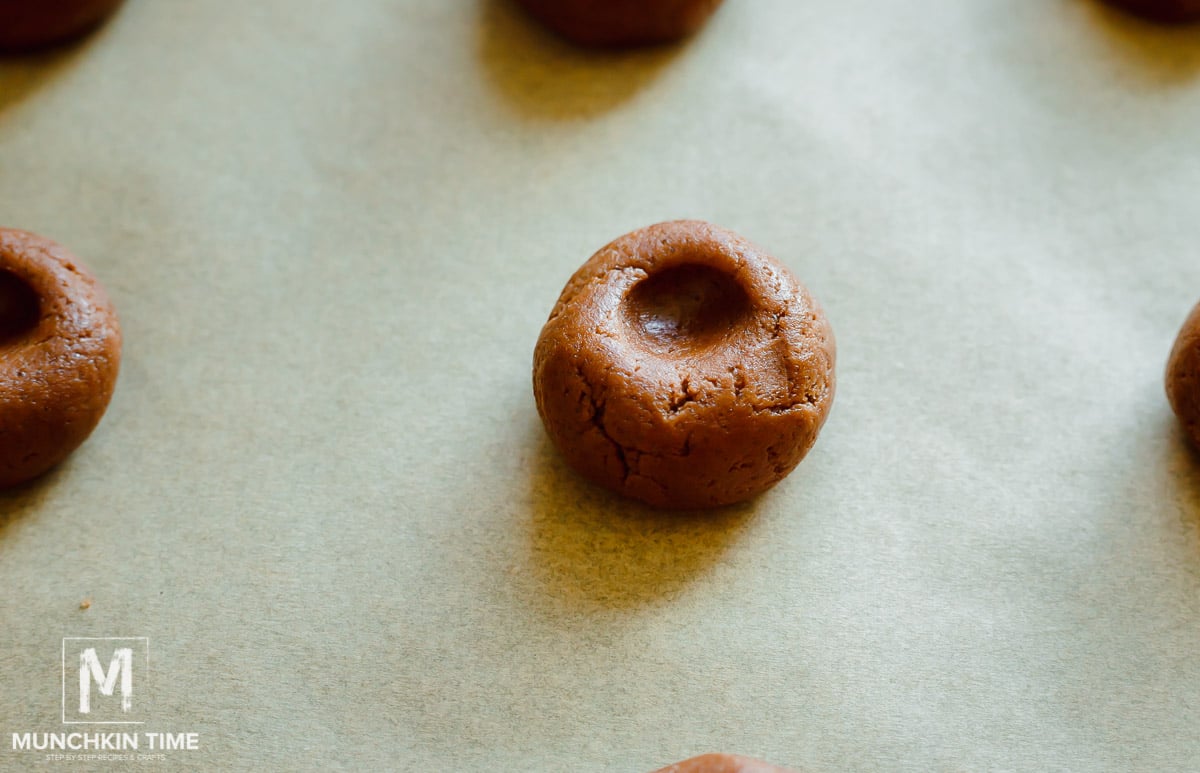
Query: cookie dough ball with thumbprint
[26, 25]
[684, 367]
[1183, 377]
[621, 23]
[60, 350]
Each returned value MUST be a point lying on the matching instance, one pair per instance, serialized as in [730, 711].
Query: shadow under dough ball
[60, 349]
[722, 763]
[1166, 11]
[1183, 377]
[684, 367]
[618, 23]
[26, 25]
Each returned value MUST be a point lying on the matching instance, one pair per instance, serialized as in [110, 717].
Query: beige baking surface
[333, 230]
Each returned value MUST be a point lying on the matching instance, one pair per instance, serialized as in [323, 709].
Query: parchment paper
[333, 230]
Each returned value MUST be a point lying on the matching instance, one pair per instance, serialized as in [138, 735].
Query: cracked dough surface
[1183, 376]
[684, 367]
[622, 22]
[60, 350]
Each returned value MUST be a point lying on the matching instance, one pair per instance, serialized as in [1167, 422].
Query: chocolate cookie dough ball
[722, 763]
[618, 23]
[1168, 11]
[684, 367]
[60, 348]
[1183, 377]
[29, 24]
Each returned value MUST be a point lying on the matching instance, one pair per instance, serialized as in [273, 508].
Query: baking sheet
[333, 230]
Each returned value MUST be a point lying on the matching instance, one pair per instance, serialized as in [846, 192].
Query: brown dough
[30, 24]
[722, 763]
[684, 367]
[1183, 377]
[1168, 11]
[60, 349]
[618, 23]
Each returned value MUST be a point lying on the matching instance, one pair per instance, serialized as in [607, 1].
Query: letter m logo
[90, 669]
[106, 694]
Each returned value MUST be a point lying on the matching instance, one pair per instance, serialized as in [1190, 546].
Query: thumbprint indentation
[687, 309]
[19, 307]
